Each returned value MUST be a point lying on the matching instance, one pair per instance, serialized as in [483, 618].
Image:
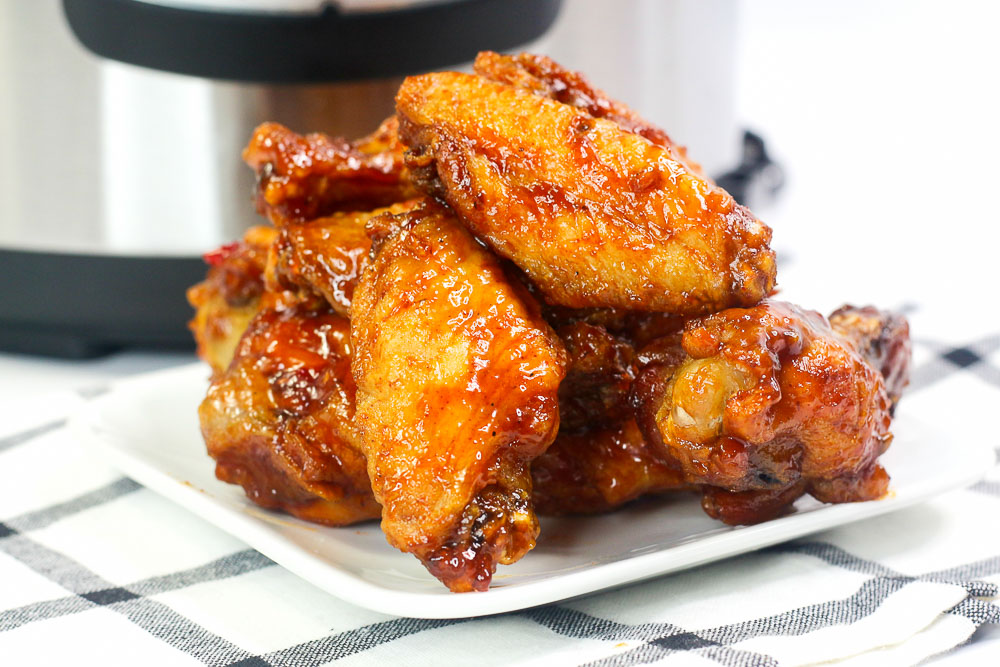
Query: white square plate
[148, 427]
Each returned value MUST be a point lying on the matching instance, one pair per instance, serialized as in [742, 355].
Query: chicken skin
[600, 459]
[305, 177]
[543, 76]
[279, 420]
[595, 392]
[230, 295]
[457, 378]
[593, 213]
[327, 255]
[883, 340]
[764, 404]
[600, 469]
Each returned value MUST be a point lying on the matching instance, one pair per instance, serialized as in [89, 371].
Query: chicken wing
[230, 295]
[305, 177]
[279, 420]
[883, 340]
[595, 215]
[600, 469]
[457, 378]
[599, 459]
[327, 255]
[765, 404]
[595, 392]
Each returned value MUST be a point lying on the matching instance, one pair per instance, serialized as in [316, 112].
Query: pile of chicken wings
[518, 297]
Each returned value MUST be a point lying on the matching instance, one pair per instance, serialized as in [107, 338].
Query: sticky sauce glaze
[457, 392]
[768, 404]
[279, 420]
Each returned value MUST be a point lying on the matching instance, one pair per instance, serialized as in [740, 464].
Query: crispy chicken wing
[763, 404]
[594, 214]
[279, 420]
[595, 391]
[599, 469]
[327, 255]
[457, 378]
[305, 177]
[230, 295]
[636, 329]
[600, 459]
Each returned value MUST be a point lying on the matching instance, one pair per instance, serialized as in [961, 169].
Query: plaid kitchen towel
[94, 567]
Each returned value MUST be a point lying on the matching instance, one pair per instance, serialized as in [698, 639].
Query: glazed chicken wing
[594, 214]
[457, 378]
[327, 255]
[303, 261]
[600, 469]
[600, 459]
[305, 177]
[883, 340]
[279, 420]
[764, 404]
[598, 378]
[230, 295]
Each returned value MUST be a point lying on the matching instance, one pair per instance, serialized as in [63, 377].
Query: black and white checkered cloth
[94, 566]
